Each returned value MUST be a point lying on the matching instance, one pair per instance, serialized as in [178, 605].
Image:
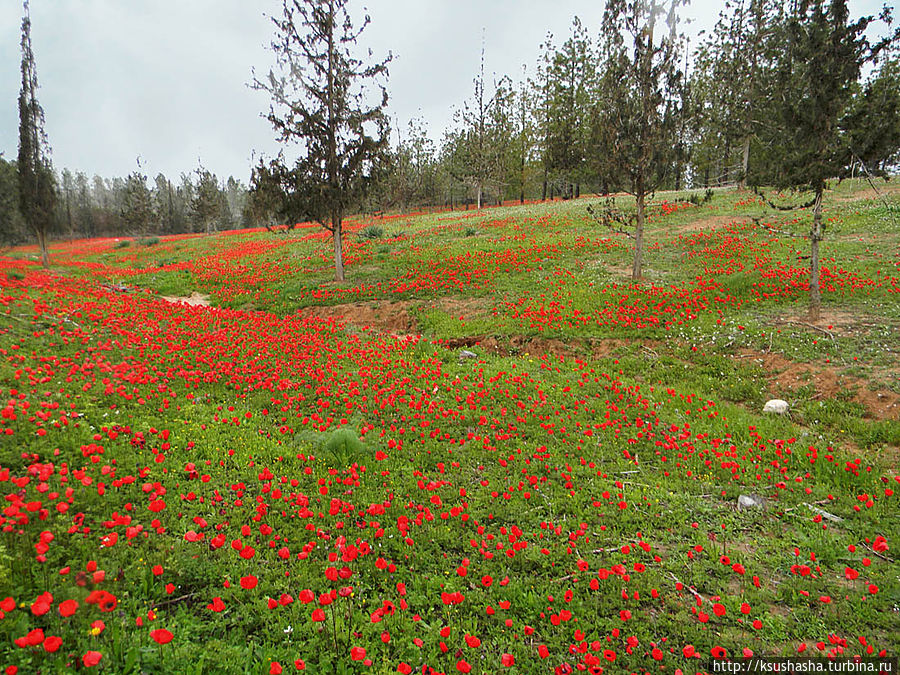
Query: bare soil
[195, 299]
[391, 317]
[789, 376]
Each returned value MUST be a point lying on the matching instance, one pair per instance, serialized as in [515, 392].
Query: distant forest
[557, 132]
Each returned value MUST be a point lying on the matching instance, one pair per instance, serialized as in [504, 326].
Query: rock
[466, 354]
[776, 406]
[745, 502]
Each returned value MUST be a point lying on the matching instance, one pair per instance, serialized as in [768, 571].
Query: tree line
[86, 207]
[773, 95]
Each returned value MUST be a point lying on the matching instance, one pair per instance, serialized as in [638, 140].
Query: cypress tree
[37, 185]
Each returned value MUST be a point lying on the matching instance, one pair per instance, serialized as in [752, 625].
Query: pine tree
[732, 86]
[570, 84]
[639, 113]
[818, 73]
[37, 184]
[137, 207]
[12, 228]
[873, 121]
[319, 100]
[206, 205]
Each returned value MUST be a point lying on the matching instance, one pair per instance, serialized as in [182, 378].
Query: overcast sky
[166, 80]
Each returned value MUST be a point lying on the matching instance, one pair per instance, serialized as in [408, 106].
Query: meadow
[488, 451]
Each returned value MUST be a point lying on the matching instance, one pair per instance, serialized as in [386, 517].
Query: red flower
[275, 668]
[357, 653]
[216, 605]
[318, 614]
[508, 660]
[404, 668]
[463, 667]
[52, 643]
[31, 639]
[161, 636]
[249, 582]
[91, 659]
[68, 607]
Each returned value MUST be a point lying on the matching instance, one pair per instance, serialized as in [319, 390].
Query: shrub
[371, 232]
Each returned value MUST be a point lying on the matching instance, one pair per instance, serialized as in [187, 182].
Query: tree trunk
[577, 190]
[638, 235]
[479, 195]
[42, 244]
[745, 163]
[522, 179]
[337, 225]
[815, 236]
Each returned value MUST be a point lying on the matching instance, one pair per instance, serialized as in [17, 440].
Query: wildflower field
[489, 451]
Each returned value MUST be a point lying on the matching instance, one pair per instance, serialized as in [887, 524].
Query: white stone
[777, 406]
[750, 502]
[466, 354]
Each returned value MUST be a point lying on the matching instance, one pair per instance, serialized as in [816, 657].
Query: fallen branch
[883, 557]
[822, 512]
[809, 325]
[172, 601]
[785, 233]
[691, 589]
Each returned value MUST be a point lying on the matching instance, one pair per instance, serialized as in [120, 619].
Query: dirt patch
[788, 376]
[831, 322]
[396, 316]
[195, 299]
[392, 317]
[520, 345]
[467, 307]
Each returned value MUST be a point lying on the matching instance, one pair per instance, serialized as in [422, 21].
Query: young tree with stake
[639, 112]
[817, 75]
[319, 100]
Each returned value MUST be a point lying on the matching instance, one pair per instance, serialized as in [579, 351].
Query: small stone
[466, 354]
[750, 502]
[776, 406]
